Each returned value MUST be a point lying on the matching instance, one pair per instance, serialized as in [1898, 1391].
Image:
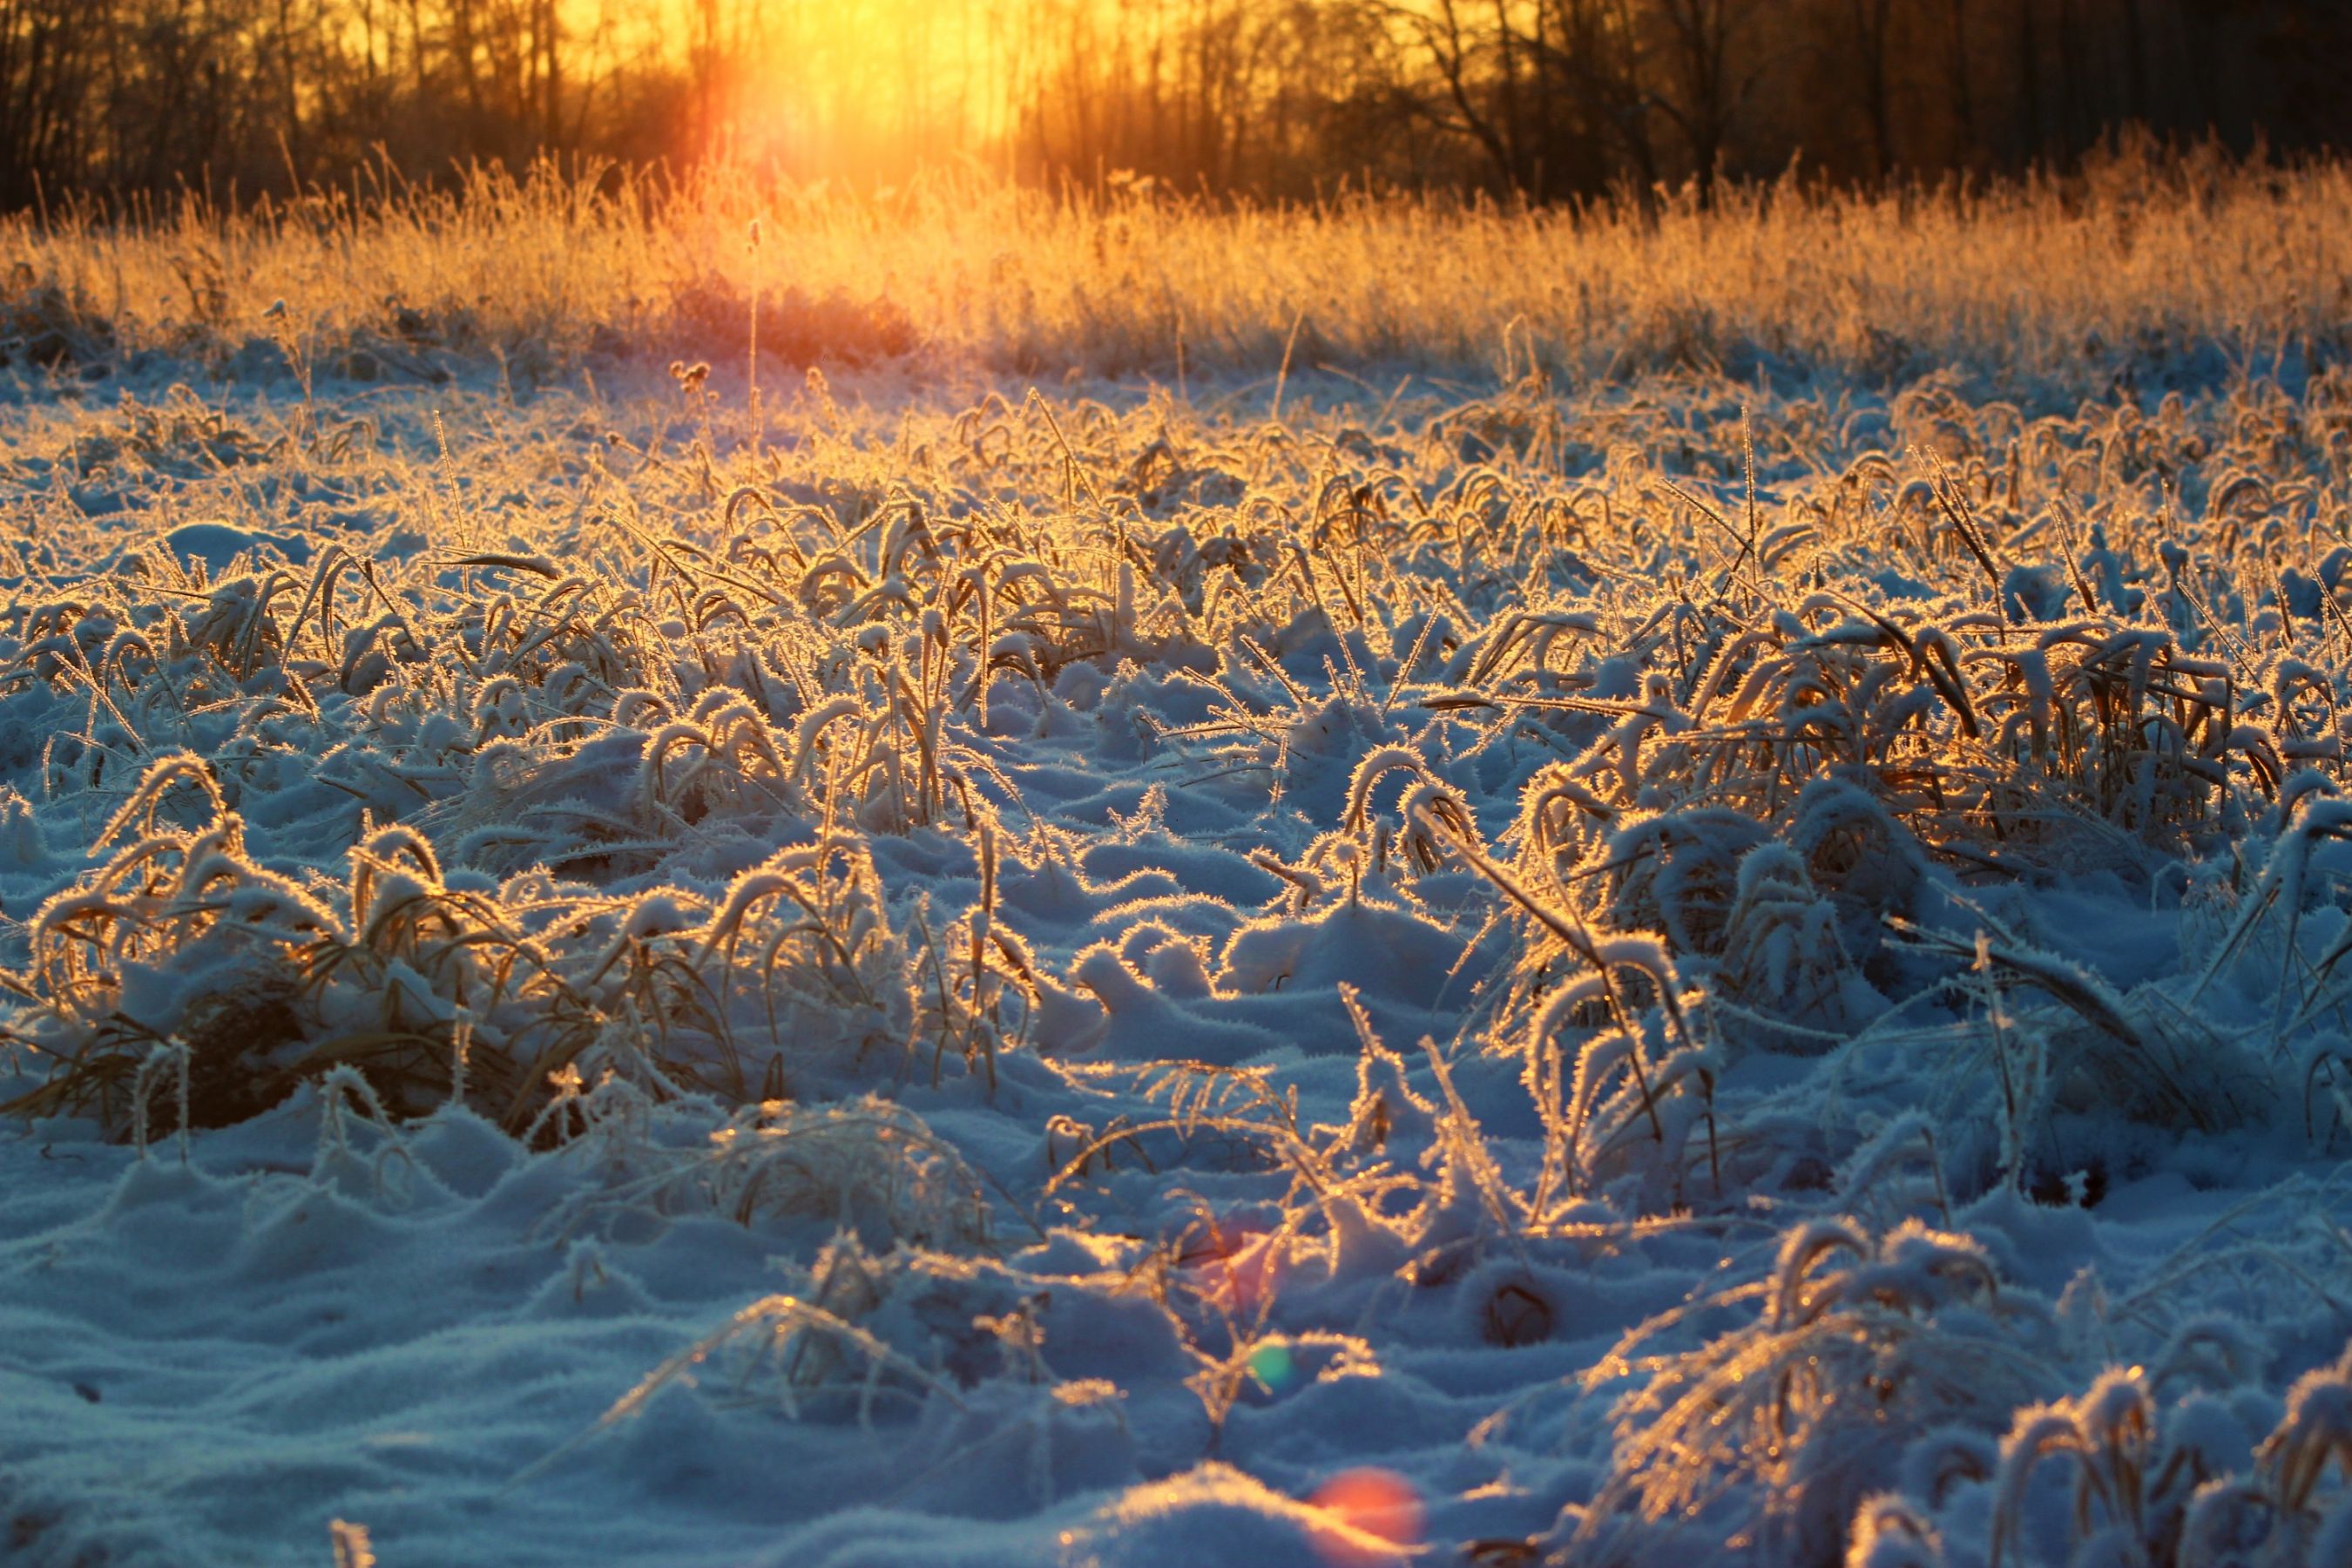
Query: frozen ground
[1322, 976]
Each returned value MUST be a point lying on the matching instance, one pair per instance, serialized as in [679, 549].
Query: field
[709, 875]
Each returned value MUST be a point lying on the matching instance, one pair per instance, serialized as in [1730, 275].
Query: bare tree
[1706, 91]
[1872, 23]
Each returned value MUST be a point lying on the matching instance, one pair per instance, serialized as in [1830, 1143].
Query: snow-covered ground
[1662, 974]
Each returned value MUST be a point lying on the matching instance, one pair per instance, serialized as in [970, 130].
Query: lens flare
[1238, 1263]
[1379, 1513]
[1272, 1365]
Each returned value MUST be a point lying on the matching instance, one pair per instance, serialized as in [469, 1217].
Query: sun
[861, 91]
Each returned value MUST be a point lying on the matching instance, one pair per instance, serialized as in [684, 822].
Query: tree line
[1545, 100]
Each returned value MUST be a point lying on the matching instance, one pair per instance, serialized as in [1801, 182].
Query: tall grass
[2065, 282]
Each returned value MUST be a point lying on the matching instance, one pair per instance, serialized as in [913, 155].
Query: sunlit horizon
[862, 91]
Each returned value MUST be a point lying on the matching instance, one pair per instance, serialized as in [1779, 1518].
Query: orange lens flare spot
[1380, 1514]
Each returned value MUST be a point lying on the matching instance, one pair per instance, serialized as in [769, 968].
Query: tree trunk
[1964, 109]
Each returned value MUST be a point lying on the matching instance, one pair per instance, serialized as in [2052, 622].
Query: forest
[1545, 100]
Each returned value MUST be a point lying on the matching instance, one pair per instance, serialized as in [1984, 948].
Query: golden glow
[868, 90]
[861, 90]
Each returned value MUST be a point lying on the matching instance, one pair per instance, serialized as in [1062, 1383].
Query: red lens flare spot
[1379, 1514]
[1236, 1264]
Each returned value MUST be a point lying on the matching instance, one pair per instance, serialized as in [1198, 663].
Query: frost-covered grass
[2061, 284]
[1397, 950]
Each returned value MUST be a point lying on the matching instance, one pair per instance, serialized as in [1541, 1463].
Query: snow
[1275, 1187]
[216, 545]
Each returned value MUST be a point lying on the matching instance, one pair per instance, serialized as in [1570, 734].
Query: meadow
[697, 872]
